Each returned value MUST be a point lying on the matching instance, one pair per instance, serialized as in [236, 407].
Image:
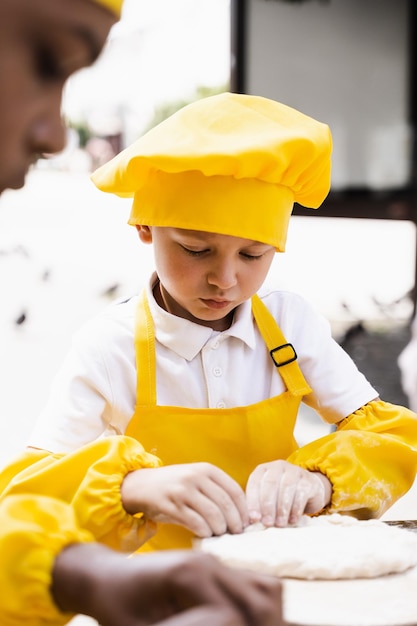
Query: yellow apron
[234, 439]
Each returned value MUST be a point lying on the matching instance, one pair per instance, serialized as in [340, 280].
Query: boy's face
[42, 42]
[205, 276]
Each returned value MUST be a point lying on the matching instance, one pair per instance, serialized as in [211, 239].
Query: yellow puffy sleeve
[88, 479]
[33, 530]
[371, 459]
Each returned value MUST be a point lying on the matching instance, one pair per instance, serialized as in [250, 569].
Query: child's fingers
[318, 499]
[222, 510]
[207, 511]
[199, 496]
[279, 492]
[218, 501]
[304, 494]
[185, 514]
[299, 492]
[262, 492]
[232, 499]
[252, 496]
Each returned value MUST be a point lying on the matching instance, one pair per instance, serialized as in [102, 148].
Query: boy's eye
[251, 257]
[245, 255]
[193, 252]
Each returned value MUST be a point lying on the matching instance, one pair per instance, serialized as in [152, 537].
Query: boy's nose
[222, 276]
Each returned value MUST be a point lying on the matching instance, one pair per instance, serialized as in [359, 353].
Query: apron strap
[282, 353]
[145, 353]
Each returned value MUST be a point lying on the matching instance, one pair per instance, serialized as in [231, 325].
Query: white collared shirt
[94, 393]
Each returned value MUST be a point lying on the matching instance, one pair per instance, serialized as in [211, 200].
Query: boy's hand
[198, 496]
[279, 493]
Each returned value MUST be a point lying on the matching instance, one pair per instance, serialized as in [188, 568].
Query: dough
[327, 547]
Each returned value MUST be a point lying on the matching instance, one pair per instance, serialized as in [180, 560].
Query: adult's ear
[145, 233]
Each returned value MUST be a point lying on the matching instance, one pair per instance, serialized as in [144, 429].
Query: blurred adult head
[42, 42]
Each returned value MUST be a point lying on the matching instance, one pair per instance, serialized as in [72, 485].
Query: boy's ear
[145, 233]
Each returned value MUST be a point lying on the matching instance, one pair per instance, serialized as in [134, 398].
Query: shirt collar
[187, 338]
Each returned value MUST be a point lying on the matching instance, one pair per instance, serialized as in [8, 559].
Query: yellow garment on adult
[115, 6]
[48, 501]
[33, 531]
[371, 460]
[89, 480]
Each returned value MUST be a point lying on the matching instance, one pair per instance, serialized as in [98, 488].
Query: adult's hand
[152, 588]
[206, 615]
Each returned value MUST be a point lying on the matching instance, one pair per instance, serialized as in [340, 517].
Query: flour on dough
[326, 547]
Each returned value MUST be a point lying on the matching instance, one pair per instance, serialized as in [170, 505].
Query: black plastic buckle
[284, 345]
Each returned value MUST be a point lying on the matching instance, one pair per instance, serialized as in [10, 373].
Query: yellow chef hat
[115, 6]
[231, 164]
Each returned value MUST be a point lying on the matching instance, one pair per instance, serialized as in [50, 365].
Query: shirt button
[221, 405]
[217, 371]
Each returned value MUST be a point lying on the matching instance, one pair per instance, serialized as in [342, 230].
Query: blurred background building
[352, 64]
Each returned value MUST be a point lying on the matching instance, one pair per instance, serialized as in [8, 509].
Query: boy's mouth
[215, 304]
